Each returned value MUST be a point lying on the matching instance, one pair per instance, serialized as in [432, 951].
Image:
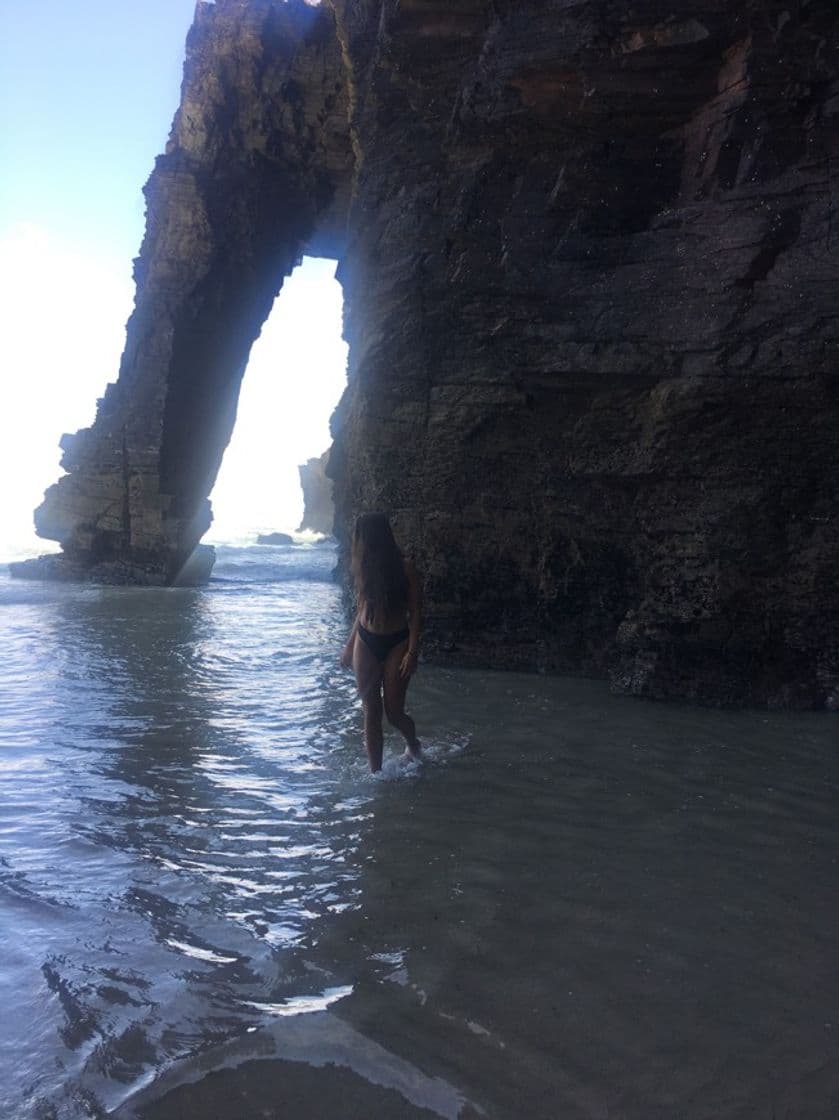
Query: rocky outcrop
[318, 506]
[195, 571]
[589, 255]
[593, 334]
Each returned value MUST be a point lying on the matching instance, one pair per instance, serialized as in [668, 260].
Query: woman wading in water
[382, 646]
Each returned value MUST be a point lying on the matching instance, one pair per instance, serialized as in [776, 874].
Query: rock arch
[257, 170]
[589, 256]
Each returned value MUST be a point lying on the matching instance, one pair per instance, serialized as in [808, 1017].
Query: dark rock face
[589, 257]
[318, 506]
[593, 338]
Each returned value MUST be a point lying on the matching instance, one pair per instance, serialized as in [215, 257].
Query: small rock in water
[274, 538]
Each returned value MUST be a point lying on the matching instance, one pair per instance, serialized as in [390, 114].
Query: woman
[382, 646]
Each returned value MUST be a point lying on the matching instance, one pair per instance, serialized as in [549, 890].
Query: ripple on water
[576, 906]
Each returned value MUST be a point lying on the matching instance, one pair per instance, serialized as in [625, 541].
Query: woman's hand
[408, 664]
[346, 655]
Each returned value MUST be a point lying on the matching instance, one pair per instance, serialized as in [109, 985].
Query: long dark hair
[377, 566]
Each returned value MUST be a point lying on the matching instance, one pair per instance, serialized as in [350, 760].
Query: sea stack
[318, 506]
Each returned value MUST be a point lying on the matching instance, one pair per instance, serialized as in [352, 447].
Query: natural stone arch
[589, 258]
[257, 170]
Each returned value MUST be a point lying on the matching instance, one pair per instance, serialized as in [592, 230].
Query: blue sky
[88, 89]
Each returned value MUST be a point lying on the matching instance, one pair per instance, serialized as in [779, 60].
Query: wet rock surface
[589, 256]
[195, 571]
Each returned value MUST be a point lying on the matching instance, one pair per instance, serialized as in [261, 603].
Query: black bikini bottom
[380, 645]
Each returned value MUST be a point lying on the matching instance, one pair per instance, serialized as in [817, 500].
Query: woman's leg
[395, 688]
[368, 677]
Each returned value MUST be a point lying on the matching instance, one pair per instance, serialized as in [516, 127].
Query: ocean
[579, 906]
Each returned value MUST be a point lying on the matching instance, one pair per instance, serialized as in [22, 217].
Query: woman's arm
[346, 656]
[409, 661]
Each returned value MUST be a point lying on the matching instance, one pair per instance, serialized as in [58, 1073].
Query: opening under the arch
[294, 379]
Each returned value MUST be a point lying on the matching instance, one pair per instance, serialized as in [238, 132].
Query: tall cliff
[589, 258]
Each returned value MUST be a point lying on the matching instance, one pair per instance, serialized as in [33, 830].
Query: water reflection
[564, 913]
[575, 914]
[194, 828]
[610, 908]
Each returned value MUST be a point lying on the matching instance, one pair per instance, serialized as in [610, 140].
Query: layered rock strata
[589, 256]
[592, 316]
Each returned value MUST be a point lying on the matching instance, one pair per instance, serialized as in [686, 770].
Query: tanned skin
[382, 687]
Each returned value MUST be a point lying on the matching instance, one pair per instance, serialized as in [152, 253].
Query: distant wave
[255, 573]
[304, 539]
[275, 563]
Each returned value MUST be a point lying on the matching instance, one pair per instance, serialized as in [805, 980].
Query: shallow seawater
[579, 906]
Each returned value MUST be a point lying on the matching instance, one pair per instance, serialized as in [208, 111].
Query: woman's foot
[413, 753]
